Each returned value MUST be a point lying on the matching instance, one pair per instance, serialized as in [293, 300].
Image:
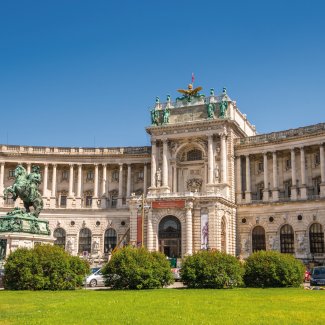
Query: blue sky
[85, 73]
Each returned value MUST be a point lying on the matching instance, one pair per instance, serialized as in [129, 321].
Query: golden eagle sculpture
[189, 92]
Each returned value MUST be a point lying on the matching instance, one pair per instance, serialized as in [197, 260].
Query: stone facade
[207, 177]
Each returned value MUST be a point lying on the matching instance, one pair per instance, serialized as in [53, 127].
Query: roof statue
[189, 93]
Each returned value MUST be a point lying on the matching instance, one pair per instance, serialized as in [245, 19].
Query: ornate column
[238, 179]
[174, 177]
[224, 158]
[210, 160]
[28, 169]
[165, 165]
[95, 197]
[266, 181]
[145, 178]
[2, 173]
[104, 188]
[46, 172]
[322, 171]
[248, 195]
[275, 190]
[189, 229]
[303, 188]
[71, 181]
[78, 198]
[153, 164]
[150, 238]
[53, 192]
[120, 186]
[128, 183]
[293, 175]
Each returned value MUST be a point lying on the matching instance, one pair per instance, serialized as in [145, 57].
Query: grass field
[165, 306]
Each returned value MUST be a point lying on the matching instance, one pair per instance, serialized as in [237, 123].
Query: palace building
[207, 181]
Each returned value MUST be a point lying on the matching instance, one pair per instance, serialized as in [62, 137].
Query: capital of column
[104, 165]
[54, 165]
[189, 206]
[45, 164]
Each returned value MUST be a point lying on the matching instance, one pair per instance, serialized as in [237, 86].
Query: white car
[95, 278]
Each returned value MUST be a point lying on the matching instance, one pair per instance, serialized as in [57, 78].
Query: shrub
[273, 269]
[211, 269]
[132, 268]
[45, 267]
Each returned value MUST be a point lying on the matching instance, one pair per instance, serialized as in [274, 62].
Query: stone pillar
[238, 179]
[46, 172]
[120, 186]
[94, 203]
[2, 174]
[53, 191]
[28, 168]
[150, 238]
[248, 195]
[70, 194]
[275, 190]
[266, 181]
[224, 158]
[303, 188]
[103, 190]
[293, 175]
[189, 229]
[145, 178]
[174, 178]
[210, 160]
[153, 164]
[78, 198]
[165, 165]
[128, 183]
[322, 171]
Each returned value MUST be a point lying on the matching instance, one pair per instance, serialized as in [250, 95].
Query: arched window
[194, 154]
[258, 239]
[316, 238]
[84, 240]
[110, 240]
[59, 235]
[170, 236]
[287, 239]
[223, 236]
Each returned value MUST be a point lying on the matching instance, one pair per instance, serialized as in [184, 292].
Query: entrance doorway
[170, 236]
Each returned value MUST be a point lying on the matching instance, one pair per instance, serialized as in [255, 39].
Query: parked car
[317, 277]
[95, 278]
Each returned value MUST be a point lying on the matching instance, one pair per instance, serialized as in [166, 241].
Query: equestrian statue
[26, 188]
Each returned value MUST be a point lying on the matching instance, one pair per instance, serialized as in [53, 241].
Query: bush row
[50, 268]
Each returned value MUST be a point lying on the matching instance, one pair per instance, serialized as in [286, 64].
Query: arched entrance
[170, 236]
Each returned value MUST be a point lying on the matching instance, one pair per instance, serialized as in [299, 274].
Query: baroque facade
[206, 182]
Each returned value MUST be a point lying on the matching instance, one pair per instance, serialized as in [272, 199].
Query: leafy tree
[133, 268]
[211, 269]
[273, 269]
[44, 267]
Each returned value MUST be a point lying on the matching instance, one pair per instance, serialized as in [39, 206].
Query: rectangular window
[63, 201]
[90, 175]
[89, 200]
[288, 164]
[115, 176]
[11, 173]
[316, 159]
[65, 175]
[260, 167]
[140, 176]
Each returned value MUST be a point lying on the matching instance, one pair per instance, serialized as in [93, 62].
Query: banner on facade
[139, 230]
[168, 204]
[204, 231]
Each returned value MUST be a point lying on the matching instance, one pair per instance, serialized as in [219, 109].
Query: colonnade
[274, 188]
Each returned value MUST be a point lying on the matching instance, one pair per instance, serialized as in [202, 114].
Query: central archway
[170, 236]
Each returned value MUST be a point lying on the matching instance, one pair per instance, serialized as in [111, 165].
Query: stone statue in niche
[245, 245]
[194, 184]
[301, 243]
[158, 177]
[217, 174]
[70, 245]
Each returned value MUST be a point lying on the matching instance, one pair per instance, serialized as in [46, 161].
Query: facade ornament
[154, 117]
[273, 243]
[166, 115]
[194, 184]
[189, 93]
[212, 92]
[223, 105]
[189, 205]
[301, 243]
[210, 110]
[158, 177]
[96, 245]
[70, 245]
[217, 174]
[245, 245]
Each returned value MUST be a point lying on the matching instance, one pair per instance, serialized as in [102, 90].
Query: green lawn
[166, 306]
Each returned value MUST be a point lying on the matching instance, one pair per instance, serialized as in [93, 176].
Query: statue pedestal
[21, 229]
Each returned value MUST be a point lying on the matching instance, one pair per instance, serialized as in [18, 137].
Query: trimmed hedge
[211, 269]
[44, 267]
[137, 268]
[273, 269]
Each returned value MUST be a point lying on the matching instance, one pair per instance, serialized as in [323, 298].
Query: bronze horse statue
[26, 188]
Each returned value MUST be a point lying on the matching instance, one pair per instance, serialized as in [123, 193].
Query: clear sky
[86, 73]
